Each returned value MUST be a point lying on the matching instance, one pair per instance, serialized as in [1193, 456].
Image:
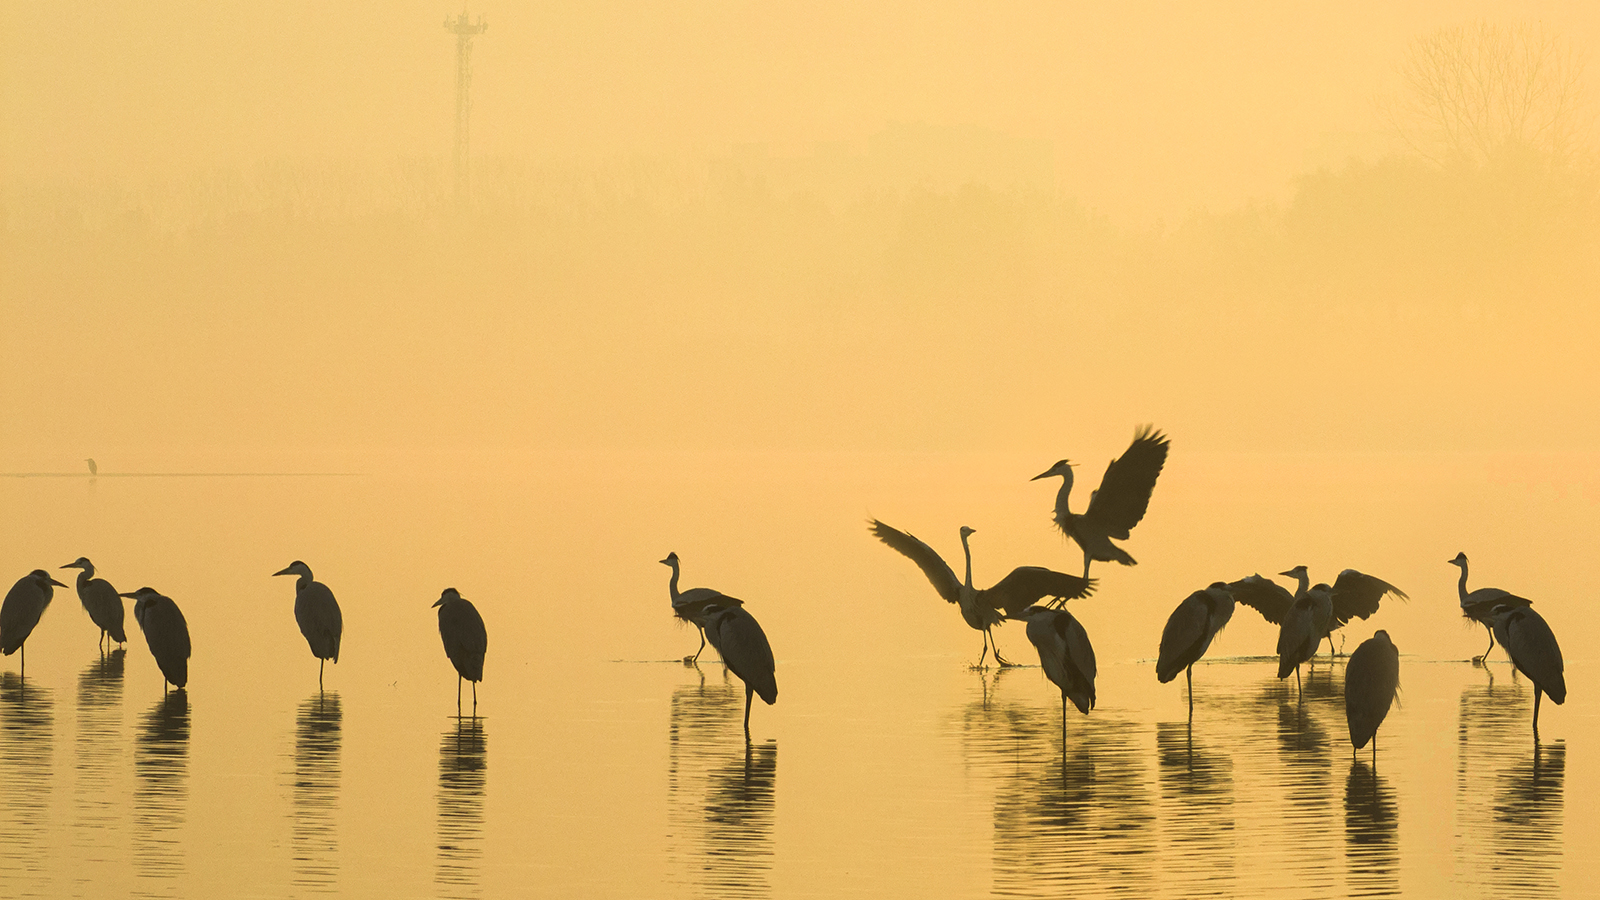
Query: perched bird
[738, 637]
[690, 605]
[100, 600]
[465, 640]
[1189, 632]
[1479, 605]
[93, 471]
[1371, 680]
[165, 630]
[982, 609]
[24, 604]
[1352, 595]
[1533, 650]
[318, 615]
[1118, 505]
[1065, 654]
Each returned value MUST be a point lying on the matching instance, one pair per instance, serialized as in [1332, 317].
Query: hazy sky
[1151, 108]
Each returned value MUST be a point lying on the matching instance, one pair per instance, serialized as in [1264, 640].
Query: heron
[465, 640]
[318, 615]
[1118, 505]
[738, 637]
[983, 609]
[1371, 679]
[1479, 605]
[1189, 632]
[1066, 655]
[166, 631]
[100, 600]
[1352, 595]
[93, 471]
[691, 604]
[1532, 647]
[20, 612]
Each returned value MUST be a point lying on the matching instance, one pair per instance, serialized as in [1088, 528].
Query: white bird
[1066, 655]
[1371, 679]
[100, 600]
[317, 614]
[465, 640]
[165, 631]
[1189, 632]
[20, 612]
[690, 605]
[1479, 605]
[1118, 505]
[743, 645]
[982, 609]
[1533, 650]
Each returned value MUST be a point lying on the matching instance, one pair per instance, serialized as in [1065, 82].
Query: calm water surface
[601, 765]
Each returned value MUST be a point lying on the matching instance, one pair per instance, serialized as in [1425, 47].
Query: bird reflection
[463, 777]
[97, 759]
[316, 792]
[25, 750]
[1371, 834]
[721, 793]
[1197, 813]
[1307, 779]
[161, 792]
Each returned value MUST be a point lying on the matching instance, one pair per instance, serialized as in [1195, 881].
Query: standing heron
[1533, 650]
[1371, 679]
[20, 612]
[1479, 605]
[1065, 654]
[982, 609]
[1118, 505]
[690, 605]
[100, 600]
[1353, 595]
[318, 615]
[1301, 633]
[166, 631]
[465, 641]
[1189, 632]
[738, 637]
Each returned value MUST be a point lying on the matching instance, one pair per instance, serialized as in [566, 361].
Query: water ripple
[463, 781]
[316, 793]
[161, 795]
[26, 749]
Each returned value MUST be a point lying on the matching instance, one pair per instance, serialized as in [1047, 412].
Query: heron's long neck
[302, 582]
[84, 574]
[1061, 496]
[672, 586]
[968, 552]
[1461, 586]
[1305, 582]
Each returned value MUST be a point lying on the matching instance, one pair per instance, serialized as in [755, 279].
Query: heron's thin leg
[474, 699]
[1536, 695]
[1189, 675]
[1298, 691]
[702, 644]
[984, 655]
[1485, 656]
[749, 692]
[458, 696]
[1332, 654]
[997, 657]
[320, 664]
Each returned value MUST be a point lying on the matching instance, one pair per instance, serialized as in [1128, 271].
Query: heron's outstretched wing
[931, 563]
[1356, 595]
[1263, 595]
[1124, 492]
[1027, 585]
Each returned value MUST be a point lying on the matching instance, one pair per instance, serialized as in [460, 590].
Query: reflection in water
[161, 795]
[1508, 796]
[1371, 834]
[1197, 814]
[26, 734]
[721, 794]
[98, 798]
[463, 777]
[316, 792]
[1307, 778]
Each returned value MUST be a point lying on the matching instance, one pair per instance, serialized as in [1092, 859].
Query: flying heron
[20, 612]
[1533, 650]
[1118, 505]
[1371, 679]
[1065, 654]
[465, 640]
[1480, 604]
[100, 600]
[690, 605]
[165, 630]
[982, 609]
[1189, 632]
[318, 615]
[738, 637]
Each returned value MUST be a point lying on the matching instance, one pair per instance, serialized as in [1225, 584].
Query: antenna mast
[465, 30]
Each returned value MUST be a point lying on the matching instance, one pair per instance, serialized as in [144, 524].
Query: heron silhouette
[1352, 595]
[465, 640]
[690, 605]
[1066, 655]
[165, 631]
[318, 615]
[743, 645]
[1371, 679]
[982, 609]
[100, 600]
[1479, 605]
[1118, 504]
[20, 611]
[1532, 646]
[93, 471]
[1189, 632]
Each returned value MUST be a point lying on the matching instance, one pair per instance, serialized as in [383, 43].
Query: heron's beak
[284, 572]
[665, 562]
[56, 583]
[439, 602]
[1053, 470]
[129, 595]
[72, 566]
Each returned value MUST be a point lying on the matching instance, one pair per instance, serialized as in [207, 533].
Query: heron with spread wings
[1118, 504]
[1353, 595]
[982, 609]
